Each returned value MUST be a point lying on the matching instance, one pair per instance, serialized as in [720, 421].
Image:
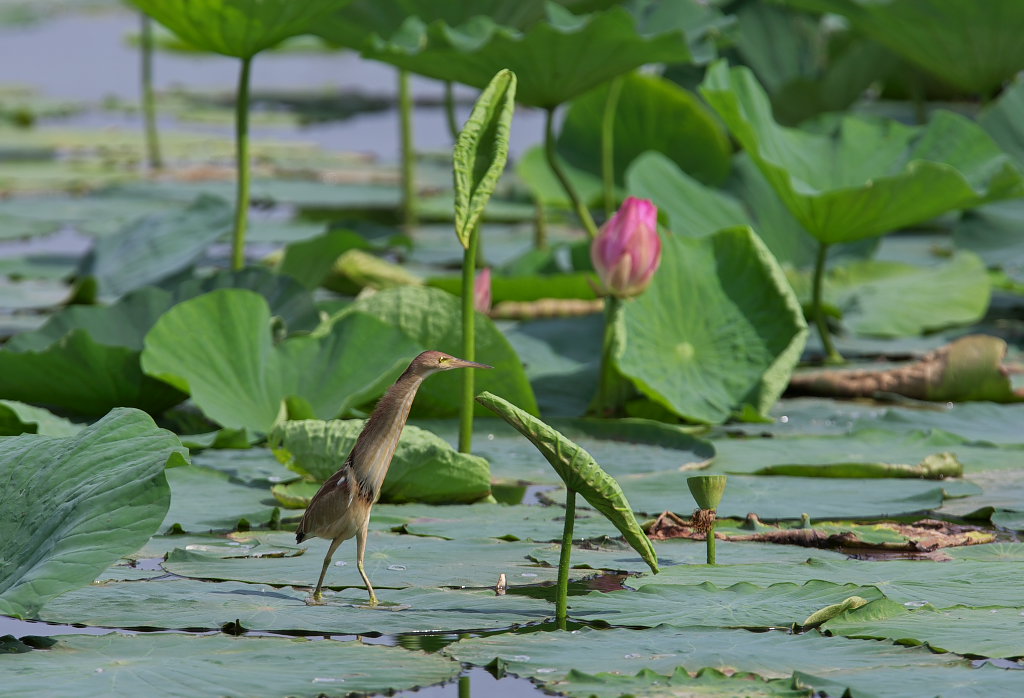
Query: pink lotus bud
[482, 291]
[627, 250]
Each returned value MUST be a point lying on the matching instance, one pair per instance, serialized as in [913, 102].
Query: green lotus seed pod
[707, 490]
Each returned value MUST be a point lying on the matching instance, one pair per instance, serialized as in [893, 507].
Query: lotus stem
[711, 543]
[465, 690]
[242, 166]
[408, 158]
[817, 307]
[148, 98]
[540, 226]
[469, 260]
[608, 145]
[549, 150]
[611, 388]
[449, 109]
[562, 600]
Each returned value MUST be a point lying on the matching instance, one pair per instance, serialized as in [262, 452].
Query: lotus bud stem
[707, 490]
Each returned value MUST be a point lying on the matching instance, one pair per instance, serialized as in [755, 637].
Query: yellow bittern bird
[341, 507]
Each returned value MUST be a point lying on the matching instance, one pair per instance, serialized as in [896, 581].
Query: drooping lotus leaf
[942, 584]
[579, 471]
[432, 319]
[718, 328]
[652, 113]
[187, 603]
[976, 51]
[425, 467]
[737, 606]
[155, 247]
[85, 359]
[987, 632]
[19, 418]
[72, 506]
[115, 664]
[872, 176]
[554, 58]
[219, 347]
[481, 152]
[239, 28]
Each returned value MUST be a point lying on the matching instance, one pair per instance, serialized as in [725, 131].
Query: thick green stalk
[464, 688]
[148, 99]
[408, 156]
[711, 544]
[449, 109]
[608, 145]
[562, 600]
[549, 150]
[611, 388]
[468, 342]
[242, 166]
[817, 307]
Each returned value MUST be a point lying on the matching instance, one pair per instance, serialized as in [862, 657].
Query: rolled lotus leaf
[830, 612]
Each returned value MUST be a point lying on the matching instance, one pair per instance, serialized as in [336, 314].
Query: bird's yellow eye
[442, 359]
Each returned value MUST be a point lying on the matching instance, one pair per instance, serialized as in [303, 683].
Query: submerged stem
[408, 159]
[241, 166]
[469, 260]
[831, 355]
[549, 150]
[148, 98]
[562, 600]
[608, 145]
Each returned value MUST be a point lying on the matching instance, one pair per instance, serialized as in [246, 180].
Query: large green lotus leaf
[72, 506]
[204, 500]
[579, 471]
[988, 632]
[993, 233]
[964, 679]
[625, 446]
[868, 449]
[999, 118]
[976, 51]
[432, 318]
[984, 422]
[892, 299]
[706, 682]
[652, 113]
[554, 58]
[220, 348]
[545, 187]
[249, 466]
[738, 606]
[808, 416]
[869, 178]
[942, 584]
[155, 247]
[240, 28]
[989, 552]
[1001, 489]
[425, 467]
[392, 562]
[784, 497]
[550, 656]
[187, 603]
[737, 353]
[121, 665]
[19, 418]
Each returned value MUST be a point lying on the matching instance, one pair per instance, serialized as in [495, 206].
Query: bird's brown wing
[328, 502]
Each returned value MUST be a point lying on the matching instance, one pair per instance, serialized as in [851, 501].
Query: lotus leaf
[239, 28]
[706, 682]
[871, 177]
[19, 418]
[579, 471]
[219, 347]
[220, 665]
[72, 506]
[425, 468]
[708, 372]
[203, 500]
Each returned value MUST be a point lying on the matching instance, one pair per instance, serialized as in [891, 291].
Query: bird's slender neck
[376, 445]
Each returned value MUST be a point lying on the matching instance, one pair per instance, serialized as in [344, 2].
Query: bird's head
[433, 361]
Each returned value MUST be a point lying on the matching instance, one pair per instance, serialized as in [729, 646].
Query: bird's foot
[373, 600]
[316, 599]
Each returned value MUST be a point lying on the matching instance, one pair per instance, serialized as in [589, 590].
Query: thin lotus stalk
[408, 157]
[817, 307]
[242, 166]
[449, 109]
[562, 599]
[582, 212]
[540, 226]
[153, 158]
[608, 145]
[468, 342]
[611, 388]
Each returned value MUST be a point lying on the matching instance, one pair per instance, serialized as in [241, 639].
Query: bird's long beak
[462, 363]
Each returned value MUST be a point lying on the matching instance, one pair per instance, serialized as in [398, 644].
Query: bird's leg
[361, 550]
[317, 594]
